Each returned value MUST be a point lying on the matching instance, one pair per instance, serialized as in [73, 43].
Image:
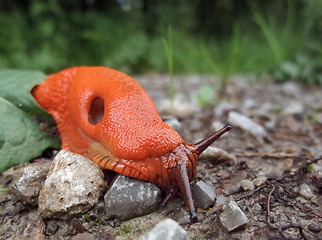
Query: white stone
[247, 185]
[167, 229]
[305, 191]
[259, 180]
[247, 124]
[217, 154]
[74, 184]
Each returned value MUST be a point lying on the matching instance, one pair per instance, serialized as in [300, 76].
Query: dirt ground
[292, 116]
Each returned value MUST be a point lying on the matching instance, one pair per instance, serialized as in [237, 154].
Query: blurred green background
[276, 38]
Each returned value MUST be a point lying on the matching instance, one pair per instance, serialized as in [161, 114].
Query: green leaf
[16, 86]
[21, 138]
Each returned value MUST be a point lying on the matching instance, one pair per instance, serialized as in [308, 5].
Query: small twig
[296, 204]
[216, 209]
[250, 193]
[249, 169]
[266, 155]
[268, 209]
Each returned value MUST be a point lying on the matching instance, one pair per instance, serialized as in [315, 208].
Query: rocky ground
[269, 178]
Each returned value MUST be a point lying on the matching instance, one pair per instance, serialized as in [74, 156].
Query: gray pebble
[232, 218]
[128, 197]
[314, 228]
[51, 228]
[203, 194]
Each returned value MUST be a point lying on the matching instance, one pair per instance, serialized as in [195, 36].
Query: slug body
[106, 116]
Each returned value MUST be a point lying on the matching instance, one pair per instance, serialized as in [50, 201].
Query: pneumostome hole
[96, 113]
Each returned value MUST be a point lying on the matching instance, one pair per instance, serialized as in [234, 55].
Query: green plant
[86, 217]
[126, 228]
[21, 138]
[93, 219]
[284, 40]
[296, 53]
[5, 190]
[229, 58]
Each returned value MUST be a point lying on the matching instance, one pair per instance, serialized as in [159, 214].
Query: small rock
[316, 170]
[128, 197]
[28, 181]
[259, 180]
[203, 194]
[262, 218]
[314, 228]
[232, 218]
[217, 155]
[305, 191]
[245, 123]
[235, 183]
[247, 185]
[258, 207]
[74, 185]
[166, 229]
[51, 228]
[280, 189]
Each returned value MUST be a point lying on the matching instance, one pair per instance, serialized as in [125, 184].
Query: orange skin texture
[131, 132]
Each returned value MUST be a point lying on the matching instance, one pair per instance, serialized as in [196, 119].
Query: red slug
[106, 116]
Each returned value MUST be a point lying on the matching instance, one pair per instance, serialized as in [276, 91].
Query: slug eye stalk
[203, 144]
[183, 160]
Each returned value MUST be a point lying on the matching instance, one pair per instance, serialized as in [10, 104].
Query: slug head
[182, 166]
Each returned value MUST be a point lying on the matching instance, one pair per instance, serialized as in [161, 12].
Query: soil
[292, 116]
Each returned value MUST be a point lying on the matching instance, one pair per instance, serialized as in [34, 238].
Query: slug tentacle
[199, 147]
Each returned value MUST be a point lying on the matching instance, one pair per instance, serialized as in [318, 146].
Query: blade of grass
[270, 35]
